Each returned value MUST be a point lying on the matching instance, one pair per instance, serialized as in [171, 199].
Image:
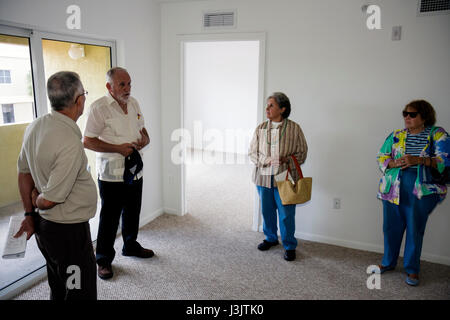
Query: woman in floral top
[406, 190]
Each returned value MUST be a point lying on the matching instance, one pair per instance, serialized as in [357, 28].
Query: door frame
[213, 37]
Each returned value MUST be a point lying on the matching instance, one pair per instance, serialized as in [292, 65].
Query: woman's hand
[276, 162]
[406, 161]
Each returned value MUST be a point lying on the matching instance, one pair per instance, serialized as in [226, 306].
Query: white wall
[347, 85]
[135, 26]
[221, 93]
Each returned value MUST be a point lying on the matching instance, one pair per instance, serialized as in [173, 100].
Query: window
[24, 100]
[5, 76]
[8, 113]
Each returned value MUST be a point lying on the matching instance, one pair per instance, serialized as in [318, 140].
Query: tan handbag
[297, 193]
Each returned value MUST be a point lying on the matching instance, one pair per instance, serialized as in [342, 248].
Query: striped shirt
[289, 141]
[415, 143]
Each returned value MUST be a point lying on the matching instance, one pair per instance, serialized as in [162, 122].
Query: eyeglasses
[85, 93]
[411, 114]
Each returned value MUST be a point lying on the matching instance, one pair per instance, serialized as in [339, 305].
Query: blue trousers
[270, 202]
[412, 215]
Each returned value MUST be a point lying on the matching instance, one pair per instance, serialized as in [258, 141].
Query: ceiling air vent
[427, 7]
[219, 19]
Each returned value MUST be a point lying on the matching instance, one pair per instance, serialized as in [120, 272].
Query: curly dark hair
[425, 109]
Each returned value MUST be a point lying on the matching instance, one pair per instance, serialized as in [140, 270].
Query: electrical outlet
[337, 203]
[396, 33]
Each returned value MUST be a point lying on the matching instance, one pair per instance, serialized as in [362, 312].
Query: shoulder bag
[297, 193]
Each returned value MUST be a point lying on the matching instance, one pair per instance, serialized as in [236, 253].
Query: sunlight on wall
[92, 69]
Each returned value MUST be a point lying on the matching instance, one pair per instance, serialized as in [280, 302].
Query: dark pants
[118, 199]
[69, 253]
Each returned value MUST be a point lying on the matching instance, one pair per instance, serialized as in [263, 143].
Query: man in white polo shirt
[114, 129]
[53, 177]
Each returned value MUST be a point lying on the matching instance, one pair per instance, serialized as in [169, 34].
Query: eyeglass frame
[85, 93]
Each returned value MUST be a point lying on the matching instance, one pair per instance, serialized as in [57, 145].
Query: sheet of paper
[14, 247]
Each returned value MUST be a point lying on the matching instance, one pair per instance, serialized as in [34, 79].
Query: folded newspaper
[14, 247]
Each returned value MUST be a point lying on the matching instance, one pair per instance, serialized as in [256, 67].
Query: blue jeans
[270, 202]
[412, 215]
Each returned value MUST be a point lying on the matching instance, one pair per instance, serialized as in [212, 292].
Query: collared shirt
[108, 122]
[52, 152]
[287, 141]
[394, 147]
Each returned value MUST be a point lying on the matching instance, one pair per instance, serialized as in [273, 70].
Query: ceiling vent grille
[219, 19]
[434, 7]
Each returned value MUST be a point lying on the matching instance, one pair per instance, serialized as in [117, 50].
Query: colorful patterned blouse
[394, 147]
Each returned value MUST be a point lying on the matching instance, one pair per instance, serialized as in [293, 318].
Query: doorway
[222, 90]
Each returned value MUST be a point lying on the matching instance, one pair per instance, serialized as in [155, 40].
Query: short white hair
[62, 89]
[111, 72]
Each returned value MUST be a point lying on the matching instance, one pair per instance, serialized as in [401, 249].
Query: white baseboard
[435, 258]
[367, 247]
[172, 211]
[147, 218]
[340, 242]
[364, 246]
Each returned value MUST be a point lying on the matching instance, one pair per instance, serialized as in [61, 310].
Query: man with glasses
[115, 130]
[53, 177]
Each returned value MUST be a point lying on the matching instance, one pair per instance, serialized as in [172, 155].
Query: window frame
[5, 77]
[35, 38]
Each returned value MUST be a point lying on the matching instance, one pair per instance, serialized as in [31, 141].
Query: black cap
[133, 165]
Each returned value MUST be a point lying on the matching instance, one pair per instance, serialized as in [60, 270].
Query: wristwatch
[31, 213]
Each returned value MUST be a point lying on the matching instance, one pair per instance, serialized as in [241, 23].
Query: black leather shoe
[266, 245]
[289, 255]
[140, 253]
[105, 272]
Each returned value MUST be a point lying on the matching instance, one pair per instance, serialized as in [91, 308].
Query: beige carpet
[211, 253]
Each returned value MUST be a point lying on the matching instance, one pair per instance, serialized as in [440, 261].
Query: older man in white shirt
[114, 129]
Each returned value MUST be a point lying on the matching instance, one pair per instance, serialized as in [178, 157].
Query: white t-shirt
[108, 122]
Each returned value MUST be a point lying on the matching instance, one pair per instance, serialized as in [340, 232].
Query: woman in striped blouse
[408, 197]
[274, 143]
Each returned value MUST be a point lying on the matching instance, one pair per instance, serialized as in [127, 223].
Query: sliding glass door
[27, 60]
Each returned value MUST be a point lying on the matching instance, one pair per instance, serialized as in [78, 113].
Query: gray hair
[62, 89]
[111, 72]
[283, 102]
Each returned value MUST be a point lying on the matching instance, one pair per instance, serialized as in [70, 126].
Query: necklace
[282, 134]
